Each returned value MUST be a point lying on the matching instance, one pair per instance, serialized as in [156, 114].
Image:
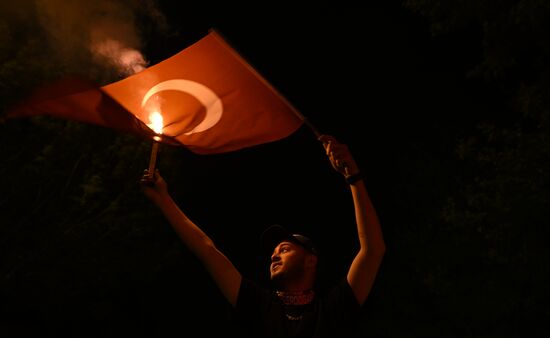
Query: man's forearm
[368, 225]
[192, 236]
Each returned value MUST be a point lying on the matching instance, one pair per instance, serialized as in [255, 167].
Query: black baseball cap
[276, 233]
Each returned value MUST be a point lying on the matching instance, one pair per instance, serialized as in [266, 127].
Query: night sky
[462, 204]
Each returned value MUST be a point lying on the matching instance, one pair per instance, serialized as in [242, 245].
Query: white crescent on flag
[209, 99]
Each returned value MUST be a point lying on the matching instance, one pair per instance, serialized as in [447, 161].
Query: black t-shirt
[261, 314]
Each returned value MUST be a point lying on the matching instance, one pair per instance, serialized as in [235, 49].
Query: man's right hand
[153, 186]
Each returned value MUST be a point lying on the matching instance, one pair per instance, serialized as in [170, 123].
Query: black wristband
[354, 178]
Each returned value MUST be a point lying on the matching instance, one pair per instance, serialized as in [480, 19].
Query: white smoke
[102, 34]
[127, 61]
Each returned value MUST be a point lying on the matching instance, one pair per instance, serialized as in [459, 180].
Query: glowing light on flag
[157, 123]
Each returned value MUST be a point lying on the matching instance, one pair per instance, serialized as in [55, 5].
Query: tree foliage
[496, 220]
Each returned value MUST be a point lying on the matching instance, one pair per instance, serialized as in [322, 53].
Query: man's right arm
[220, 268]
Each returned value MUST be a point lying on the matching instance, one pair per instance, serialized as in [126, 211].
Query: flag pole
[306, 122]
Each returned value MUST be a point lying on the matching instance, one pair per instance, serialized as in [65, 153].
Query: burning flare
[156, 124]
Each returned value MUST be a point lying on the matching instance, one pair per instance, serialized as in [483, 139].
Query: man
[294, 307]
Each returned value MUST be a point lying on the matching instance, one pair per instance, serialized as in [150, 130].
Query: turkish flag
[210, 98]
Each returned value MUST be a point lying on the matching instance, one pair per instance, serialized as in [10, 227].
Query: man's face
[287, 261]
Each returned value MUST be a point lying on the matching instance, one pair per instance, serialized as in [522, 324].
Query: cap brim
[276, 234]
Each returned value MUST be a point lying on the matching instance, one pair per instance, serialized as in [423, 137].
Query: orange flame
[157, 122]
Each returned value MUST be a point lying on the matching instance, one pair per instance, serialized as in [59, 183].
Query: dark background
[443, 104]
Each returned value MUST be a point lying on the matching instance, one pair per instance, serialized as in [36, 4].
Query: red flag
[211, 100]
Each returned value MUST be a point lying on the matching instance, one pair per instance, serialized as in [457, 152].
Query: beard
[287, 273]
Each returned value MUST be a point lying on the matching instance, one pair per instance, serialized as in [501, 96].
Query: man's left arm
[365, 265]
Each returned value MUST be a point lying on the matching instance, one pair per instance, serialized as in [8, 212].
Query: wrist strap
[355, 177]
